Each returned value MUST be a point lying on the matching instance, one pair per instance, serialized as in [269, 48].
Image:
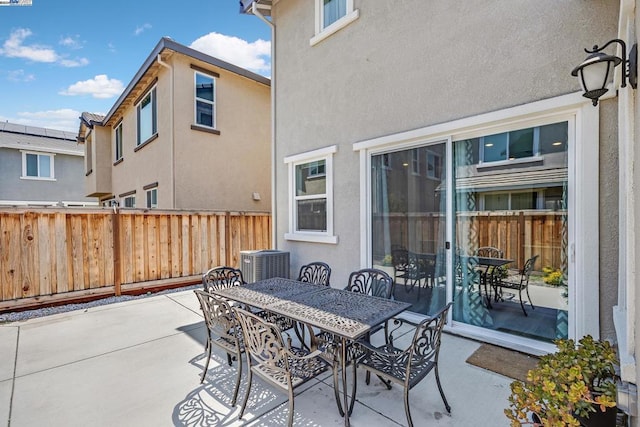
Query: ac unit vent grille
[264, 264]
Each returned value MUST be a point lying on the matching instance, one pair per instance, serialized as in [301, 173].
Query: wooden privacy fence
[50, 255]
[519, 234]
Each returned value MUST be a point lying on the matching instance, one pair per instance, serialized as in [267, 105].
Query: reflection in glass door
[510, 244]
[408, 223]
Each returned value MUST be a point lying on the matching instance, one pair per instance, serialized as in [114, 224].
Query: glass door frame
[583, 139]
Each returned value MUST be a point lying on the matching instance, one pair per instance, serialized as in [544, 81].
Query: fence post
[117, 268]
[227, 238]
[521, 240]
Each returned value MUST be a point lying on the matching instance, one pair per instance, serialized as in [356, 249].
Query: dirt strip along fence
[55, 255]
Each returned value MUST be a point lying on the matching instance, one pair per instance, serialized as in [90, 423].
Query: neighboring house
[40, 167]
[189, 132]
[440, 127]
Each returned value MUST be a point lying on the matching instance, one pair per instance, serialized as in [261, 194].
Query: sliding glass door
[408, 206]
[507, 222]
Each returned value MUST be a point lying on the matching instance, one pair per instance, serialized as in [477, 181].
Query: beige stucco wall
[409, 64]
[98, 173]
[223, 169]
[215, 172]
[150, 163]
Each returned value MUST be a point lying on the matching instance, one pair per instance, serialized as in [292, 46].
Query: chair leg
[290, 420]
[406, 407]
[238, 378]
[529, 298]
[208, 355]
[354, 387]
[521, 302]
[444, 399]
[246, 395]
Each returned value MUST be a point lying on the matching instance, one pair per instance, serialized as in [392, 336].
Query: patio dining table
[347, 315]
[488, 277]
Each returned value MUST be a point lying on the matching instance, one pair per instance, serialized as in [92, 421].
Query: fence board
[48, 253]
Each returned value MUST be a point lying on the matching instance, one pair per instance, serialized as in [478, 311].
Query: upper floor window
[524, 143]
[37, 165]
[152, 198]
[434, 165]
[205, 100]
[415, 161]
[147, 117]
[311, 184]
[331, 16]
[118, 143]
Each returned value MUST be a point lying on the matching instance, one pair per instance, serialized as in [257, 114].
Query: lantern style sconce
[597, 68]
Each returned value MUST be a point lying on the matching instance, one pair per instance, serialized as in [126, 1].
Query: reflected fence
[519, 234]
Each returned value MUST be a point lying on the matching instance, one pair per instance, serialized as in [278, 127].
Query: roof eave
[167, 43]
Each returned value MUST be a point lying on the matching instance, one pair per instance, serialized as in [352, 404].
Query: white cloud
[63, 119]
[101, 86]
[70, 63]
[255, 56]
[14, 47]
[141, 29]
[20, 76]
[72, 42]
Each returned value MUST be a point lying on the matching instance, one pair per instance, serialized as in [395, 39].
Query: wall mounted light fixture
[596, 69]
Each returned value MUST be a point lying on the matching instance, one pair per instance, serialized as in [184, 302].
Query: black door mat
[509, 363]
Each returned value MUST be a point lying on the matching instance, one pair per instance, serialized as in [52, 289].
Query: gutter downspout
[274, 212]
[172, 133]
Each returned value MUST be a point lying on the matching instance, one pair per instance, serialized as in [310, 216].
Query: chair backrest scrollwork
[222, 277]
[316, 272]
[371, 281]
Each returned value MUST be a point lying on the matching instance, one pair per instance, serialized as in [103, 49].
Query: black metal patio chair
[407, 367]
[519, 283]
[316, 272]
[222, 277]
[273, 360]
[222, 331]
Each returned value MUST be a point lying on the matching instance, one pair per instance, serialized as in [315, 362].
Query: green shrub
[576, 380]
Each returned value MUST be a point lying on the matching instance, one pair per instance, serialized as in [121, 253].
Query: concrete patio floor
[138, 363]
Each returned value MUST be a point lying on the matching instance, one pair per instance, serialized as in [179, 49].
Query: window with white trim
[205, 100]
[434, 165]
[147, 113]
[415, 161]
[331, 16]
[311, 196]
[118, 143]
[152, 198]
[37, 165]
[129, 201]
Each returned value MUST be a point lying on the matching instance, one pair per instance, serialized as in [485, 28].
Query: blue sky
[60, 58]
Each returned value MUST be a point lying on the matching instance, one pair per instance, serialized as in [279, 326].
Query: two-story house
[189, 132]
[438, 128]
[40, 167]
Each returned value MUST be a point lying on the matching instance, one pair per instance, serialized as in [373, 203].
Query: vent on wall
[264, 264]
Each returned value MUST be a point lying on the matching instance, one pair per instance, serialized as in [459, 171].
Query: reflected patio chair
[316, 272]
[400, 261]
[519, 283]
[489, 252]
[222, 277]
[223, 332]
[407, 367]
[273, 360]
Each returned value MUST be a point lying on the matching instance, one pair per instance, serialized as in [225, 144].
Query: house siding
[68, 171]
[410, 64]
[193, 169]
